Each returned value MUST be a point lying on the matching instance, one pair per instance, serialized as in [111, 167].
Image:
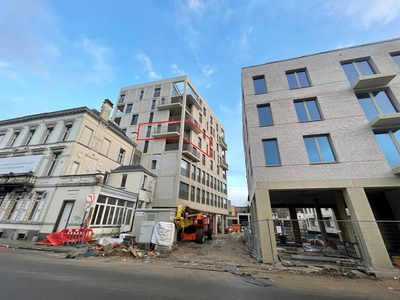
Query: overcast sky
[62, 54]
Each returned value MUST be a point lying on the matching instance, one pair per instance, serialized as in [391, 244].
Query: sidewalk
[27, 245]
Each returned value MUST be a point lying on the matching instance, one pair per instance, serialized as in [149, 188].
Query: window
[396, 58]
[208, 198]
[16, 134]
[151, 117]
[183, 191]
[376, 103]
[128, 109]
[46, 137]
[264, 115]
[259, 85]
[211, 120]
[162, 101]
[200, 118]
[307, 110]
[203, 159]
[204, 111]
[319, 149]
[121, 98]
[36, 206]
[158, 128]
[146, 146]
[121, 156]
[66, 132]
[148, 133]
[271, 153]
[203, 177]
[106, 176]
[74, 168]
[211, 165]
[134, 120]
[203, 196]
[157, 92]
[207, 179]
[153, 164]
[56, 157]
[355, 69]
[123, 181]
[124, 130]
[192, 193]
[198, 174]
[185, 168]
[199, 142]
[153, 104]
[31, 133]
[144, 182]
[297, 79]
[112, 211]
[193, 172]
[389, 142]
[198, 195]
[141, 95]
[15, 206]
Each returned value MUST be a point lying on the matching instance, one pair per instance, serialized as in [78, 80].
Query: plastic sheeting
[163, 234]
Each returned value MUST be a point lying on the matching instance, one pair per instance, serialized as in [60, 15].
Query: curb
[50, 249]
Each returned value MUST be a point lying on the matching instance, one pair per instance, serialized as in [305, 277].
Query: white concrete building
[322, 130]
[50, 162]
[181, 140]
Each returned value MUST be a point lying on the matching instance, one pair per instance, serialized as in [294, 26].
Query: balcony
[191, 123]
[385, 120]
[191, 152]
[10, 181]
[223, 164]
[174, 104]
[172, 146]
[223, 144]
[372, 81]
[396, 170]
[166, 131]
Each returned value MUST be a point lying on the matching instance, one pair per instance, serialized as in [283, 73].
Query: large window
[376, 103]
[134, 120]
[36, 206]
[121, 98]
[141, 95]
[148, 133]
[297, 79]
[123, 180]
[396, 58]
[264, 115]
[356, 69]
[16, 134]
[157, 92]
[153, 104]
[31, 133]
[185, 168]
[128, 109]
[66, 132]
[121, 156]
[112, 211]
[146, 146]
[183, 191]
[56, 157]
[48, 132]
[192, 193]
[319, 149]
[389, 142]
[307, 110]
[271, 153]
[259, 85]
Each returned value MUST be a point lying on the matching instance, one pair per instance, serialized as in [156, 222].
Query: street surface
[26, 274]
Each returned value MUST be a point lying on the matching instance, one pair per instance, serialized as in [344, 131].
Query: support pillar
[266, 230]
[321, 222]
[370, 238]
[215, 224]
[346, 229]
[295, 225]
[223, 224]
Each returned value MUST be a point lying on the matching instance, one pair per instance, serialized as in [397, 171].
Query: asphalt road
[35, 275]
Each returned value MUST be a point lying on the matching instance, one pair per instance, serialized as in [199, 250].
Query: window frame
[296, 76]
[260, 108]
[306, 109]
[277, 152]
[256, 87]
[318, 148]
[354, 62]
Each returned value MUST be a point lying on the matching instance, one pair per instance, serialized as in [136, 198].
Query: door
[65, 214]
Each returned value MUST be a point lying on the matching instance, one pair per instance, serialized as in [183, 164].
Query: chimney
[106, 109]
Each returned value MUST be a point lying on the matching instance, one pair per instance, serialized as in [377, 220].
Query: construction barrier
[68, 236]
[74, 236]
[236, 227]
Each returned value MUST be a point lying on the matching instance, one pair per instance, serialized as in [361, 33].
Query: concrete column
[321, 222]
[346, 229]
[267, 234]
[295, 225]
[222, 224]
[367, 229]
[215, 224]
